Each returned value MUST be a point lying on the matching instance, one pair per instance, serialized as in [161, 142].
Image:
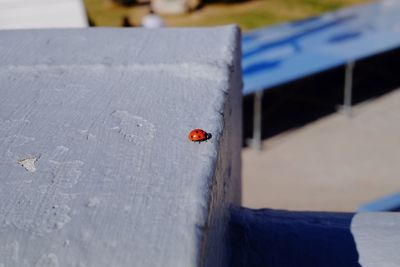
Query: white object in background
[22, 14]
[152, 21]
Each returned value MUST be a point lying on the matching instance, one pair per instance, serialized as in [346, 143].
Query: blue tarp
[276, 55]
[387, 203]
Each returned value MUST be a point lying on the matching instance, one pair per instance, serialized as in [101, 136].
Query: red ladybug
[199, 135]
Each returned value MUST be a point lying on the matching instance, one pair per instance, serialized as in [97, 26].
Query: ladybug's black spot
[197, 132]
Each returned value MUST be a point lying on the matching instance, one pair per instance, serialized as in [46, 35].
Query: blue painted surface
[283, 53]
[277, 238]
[388, 203]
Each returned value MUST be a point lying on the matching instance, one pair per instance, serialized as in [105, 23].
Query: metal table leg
[348, 88]
[256, 141]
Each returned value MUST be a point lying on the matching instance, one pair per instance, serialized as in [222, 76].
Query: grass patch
[248, 15]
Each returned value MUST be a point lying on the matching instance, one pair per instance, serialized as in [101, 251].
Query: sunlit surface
[334, 164]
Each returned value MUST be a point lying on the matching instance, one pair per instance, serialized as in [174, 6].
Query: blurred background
[248, 15]
[303, 61]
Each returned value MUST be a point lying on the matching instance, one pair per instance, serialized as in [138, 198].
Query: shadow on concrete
[277, 238]
[303, 101]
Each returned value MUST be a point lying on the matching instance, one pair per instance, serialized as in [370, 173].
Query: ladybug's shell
[198, 135]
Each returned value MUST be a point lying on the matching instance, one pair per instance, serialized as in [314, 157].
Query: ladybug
[199, 135]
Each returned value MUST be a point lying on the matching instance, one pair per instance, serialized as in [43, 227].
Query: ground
[334, 164]
[247, 14]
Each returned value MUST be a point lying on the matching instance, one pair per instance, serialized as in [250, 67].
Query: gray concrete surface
[377, 237]
[96, 166]
[333, 164]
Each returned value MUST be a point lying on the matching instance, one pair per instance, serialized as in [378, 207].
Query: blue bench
[276, 55]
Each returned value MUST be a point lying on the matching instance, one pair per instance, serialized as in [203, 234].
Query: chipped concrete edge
[225, 183]
[29, 163]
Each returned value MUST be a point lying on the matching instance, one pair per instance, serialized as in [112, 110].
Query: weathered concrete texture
[96, 167]
[227, 181]
[378, 237]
